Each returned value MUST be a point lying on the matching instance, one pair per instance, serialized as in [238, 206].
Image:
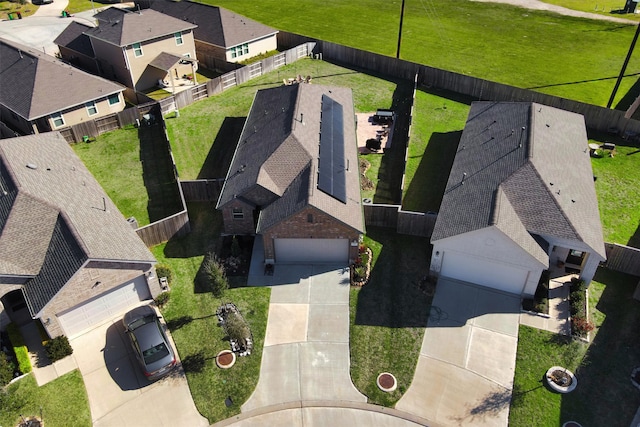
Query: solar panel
[331, 166]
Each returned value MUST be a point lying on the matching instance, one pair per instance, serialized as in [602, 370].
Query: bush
[212, 276]
[163, 270]
[6, 370]
[58, 348]
[581, 326]
[19, 348]
[162, 299]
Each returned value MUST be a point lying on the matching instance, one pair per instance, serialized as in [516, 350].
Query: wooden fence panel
[228, 80]
[242, 75]
[128, 116]
[623, 258]
[107, 123]
[214, 86]
[416, 223]
[199, 92]
[184, 98]
[160, 231]
[168, 104]
[381, 215]
[88, 128]
[279, 60]
[202, 190]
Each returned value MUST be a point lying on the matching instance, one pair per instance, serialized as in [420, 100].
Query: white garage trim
[312, 250]
[102, 308]
[485, 272]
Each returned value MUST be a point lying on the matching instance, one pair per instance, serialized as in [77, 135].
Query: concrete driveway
[119, 394]
[464, 375]
[306, 349]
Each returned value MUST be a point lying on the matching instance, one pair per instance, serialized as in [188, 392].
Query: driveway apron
[306, 350]
[464, 374]
[119, 395]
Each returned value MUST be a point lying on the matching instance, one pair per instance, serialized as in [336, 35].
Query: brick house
[138, 49]
[294, 177]
[221, 33]
[67, 255]
[31, 88]
[520, 200]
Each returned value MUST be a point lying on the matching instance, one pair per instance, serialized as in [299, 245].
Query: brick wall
[236, 225]
[322, 226]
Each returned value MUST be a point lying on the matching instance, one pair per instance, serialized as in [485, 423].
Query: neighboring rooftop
[32, 82]
[74, 38]
[216, 26]
[123, 28]
[532, 157]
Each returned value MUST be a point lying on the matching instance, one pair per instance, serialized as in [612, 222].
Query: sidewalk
[557, 321]
[43, 370]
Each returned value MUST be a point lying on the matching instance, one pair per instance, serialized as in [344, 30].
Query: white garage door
[105, 307]
[484, 272]
[312, 250]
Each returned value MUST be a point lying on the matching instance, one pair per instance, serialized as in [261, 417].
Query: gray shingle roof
[123, 28]
[278, 154]
[33, 81]
[165, 61]
[536, 158]
[62, 183]
[216, 26]
[73, 38]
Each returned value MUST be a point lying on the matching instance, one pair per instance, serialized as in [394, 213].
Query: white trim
[89, 106]
[135, 53]
[114, 104]
[178, 38]
[54, 118]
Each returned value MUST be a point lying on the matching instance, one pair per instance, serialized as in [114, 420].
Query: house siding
[256, 47]
[297, 226]
[80, 114]
[112, 62]
[82, 287]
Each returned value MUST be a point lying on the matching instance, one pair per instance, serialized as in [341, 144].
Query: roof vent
[32, 166]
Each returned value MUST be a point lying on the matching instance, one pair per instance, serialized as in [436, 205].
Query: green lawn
[602, 368]
[618, 195]
[389, 314]
[62, 402]
[564, 56]
[436, 129]
[114, 160]
[25, 10]
[601, 7]
[190, 315]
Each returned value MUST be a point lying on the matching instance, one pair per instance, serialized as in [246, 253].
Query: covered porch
[172, 73]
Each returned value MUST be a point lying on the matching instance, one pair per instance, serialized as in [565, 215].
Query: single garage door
[484, 272]
[103, 308]
[312, 250]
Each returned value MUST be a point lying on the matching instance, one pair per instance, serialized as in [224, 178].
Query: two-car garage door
[312, 250]
[484, 272]
[88, 315]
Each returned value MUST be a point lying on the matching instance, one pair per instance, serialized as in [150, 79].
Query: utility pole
[624, 66]
[400, 30]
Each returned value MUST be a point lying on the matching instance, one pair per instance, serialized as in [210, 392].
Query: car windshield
[154, 354]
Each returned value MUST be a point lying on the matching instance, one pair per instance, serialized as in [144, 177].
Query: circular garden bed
[561, 380]
[225, 359]
[387, 382]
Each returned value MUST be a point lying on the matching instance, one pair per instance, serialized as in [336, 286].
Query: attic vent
[32, 166]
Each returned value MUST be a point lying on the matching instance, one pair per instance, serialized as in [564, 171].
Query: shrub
[58, 348]
[162, 299]
[6, 369]
[581, 326]
[212, 276]
[19, 348]
[163, 270]
[236, 328]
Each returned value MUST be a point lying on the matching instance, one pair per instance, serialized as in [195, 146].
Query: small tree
[213, 275]
[237, 329]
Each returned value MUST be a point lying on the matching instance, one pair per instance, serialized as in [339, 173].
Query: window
[137, 50]
[240, 50]
[114, 99]
[92, 108]
[310, 218]
[237, 213]
[58, 120]
[178, 37]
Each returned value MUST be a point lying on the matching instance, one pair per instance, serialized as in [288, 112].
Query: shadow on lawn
[430, 180]
[220, 155]
[206, 224]
[604, 383]
[392, 298]
[634, 241]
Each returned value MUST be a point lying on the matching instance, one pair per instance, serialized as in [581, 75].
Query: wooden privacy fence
[596, 117]
[202, 190]
[404, 222]
[624, 259]
[160, 231]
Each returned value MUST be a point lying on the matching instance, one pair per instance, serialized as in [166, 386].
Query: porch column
[589, 268]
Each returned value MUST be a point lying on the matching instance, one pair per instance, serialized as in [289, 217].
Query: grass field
[564, 56]
[61, 402]
[601, 7]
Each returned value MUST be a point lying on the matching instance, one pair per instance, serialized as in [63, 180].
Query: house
[221, 33]
[40, 93]
[138, 49]
[67, 255]
[520, 199]
[294, 177]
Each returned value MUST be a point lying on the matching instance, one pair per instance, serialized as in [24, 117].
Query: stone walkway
[557, 321]
[43, 370]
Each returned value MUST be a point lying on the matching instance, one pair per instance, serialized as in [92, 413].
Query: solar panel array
[331, 166]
